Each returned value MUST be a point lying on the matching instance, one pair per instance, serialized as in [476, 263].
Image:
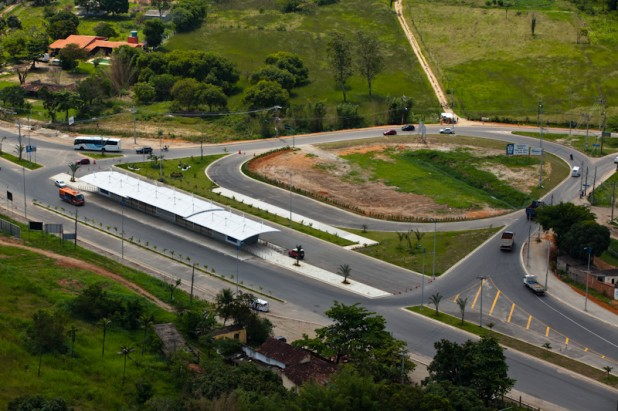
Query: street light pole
[482, 278]
[122, 229]
[589, 250]
[134, 111]
[290, 174]
[423, 281]
[547, 270]
[435, 233]
[541, 145]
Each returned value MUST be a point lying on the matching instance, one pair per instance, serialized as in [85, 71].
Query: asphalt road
[535, 378]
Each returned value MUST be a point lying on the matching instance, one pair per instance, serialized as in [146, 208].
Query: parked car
[55, 62]
[447, 130]
[616, 160]
[83, 161]
[144, 150]
[408, 127]
[60, 183]
[297, 254]
[390, 132]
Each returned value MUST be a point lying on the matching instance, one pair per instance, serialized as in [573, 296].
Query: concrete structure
[232, 332]
[177, 207]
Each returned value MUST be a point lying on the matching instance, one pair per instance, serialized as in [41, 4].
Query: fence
[10, 228]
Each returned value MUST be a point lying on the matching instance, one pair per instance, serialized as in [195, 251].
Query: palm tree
[124, 350]
[299, 249]
[173, 287]
[344, 270]
[224, 302]
[419, 236]
[435, 300]
[104, 322]
[74, 167]
[462, 307]
[71, 333]
[145, 322]
[608, 369]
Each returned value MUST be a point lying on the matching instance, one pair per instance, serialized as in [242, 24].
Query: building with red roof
[94, 44]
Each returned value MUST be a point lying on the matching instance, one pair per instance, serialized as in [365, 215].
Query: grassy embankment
[492, 65]
[87, 380]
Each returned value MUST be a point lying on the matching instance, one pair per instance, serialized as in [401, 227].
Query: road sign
[536, 151]
[30, 149]
[596, 145]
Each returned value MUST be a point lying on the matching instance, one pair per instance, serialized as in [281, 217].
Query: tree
[146, 322]
[88, 6]
[154, 30]
[14, 44]
[344, 270]
[125, 351]
[13, 96]
[347, 115]
[339, 53]
[224, 301]
[478, 365]
[161, 5]
[13, 22]
[585, 234]
[68, 100]
[435, 300]
[36, 44]
[62, 24]
[144, 93]
[299, 249]
[291, 63]
[122, 71]
[172, 287]
[561, 217]
[163, 85]
[187, 92]
[104, 29]
[72, 333]
[51, 102]
[533, 24]
[273, 73]
[212, 96]
[104, 323]
[462, 302]
[37, 402]
[266, 94]
[114, 6]
[369, 58]
[361, 337]
[46, 334]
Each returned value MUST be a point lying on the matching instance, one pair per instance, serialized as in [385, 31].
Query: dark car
[408, 127]
[144, 150]
[390, 132]
[295, 253]
[83, 161]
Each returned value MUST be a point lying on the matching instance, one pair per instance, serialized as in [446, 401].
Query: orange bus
[71, 196]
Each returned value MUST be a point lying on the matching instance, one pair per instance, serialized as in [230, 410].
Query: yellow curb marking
[476, 297]
[529, 321]
[547, 331]
[455, 299]
[508, 320]
[494, 303]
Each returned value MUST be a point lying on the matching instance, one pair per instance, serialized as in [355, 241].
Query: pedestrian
[571, 156]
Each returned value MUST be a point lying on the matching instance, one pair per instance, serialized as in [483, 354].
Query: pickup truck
[531, 209]
[507, 240]
[447, 130]
[531, 282]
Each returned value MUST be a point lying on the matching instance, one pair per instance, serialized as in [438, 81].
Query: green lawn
[451, 247]
[592, 145]
[492, 65]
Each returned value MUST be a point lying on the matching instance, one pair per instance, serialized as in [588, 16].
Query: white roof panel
[189, 207]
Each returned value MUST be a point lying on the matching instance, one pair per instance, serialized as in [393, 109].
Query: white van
[575, 171]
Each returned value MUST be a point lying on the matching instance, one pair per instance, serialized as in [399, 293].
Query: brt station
[178, 207]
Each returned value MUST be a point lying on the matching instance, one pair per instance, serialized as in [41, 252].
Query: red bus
[71, 196]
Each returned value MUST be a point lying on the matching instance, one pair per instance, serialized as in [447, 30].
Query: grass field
[492, 65]
[592, 145]
[88, 380]
[247, 31]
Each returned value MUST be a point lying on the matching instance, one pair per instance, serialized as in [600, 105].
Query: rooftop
[187, 206]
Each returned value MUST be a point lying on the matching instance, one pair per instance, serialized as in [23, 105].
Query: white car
[616, 160]
[447, 130]
[60, 183]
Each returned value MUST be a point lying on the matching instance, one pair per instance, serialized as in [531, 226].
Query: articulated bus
[97, 144]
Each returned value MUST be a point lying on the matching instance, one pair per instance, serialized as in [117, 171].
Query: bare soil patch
[323, 173]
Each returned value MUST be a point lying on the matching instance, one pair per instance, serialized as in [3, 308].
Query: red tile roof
[300, 365]
[80, 41]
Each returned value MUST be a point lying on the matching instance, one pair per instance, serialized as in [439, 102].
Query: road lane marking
[508, 320]
[547, 331]
[566, 341]
[456, 297]
[477, 296]
[529, 321]
[491, 310]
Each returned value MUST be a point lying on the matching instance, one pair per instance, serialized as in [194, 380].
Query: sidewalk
[537, 265]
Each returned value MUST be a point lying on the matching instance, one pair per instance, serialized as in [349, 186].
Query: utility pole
[613, 200]
[482, 278]
[192, 280]
[594, 181]
[435, 233]
[423, 281]
[540, 110]
[547, 270]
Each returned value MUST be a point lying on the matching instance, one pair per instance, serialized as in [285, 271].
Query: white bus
[97, 144]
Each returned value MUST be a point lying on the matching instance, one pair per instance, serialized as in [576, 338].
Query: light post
[541, 145]
[482, 278]
[435, 233]
[547, 270]
[405, 108]
[122, 229]
[290, 184]
[238, 245]
[589, 251]
[423, 281]
[134, 111]
[192, 280]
